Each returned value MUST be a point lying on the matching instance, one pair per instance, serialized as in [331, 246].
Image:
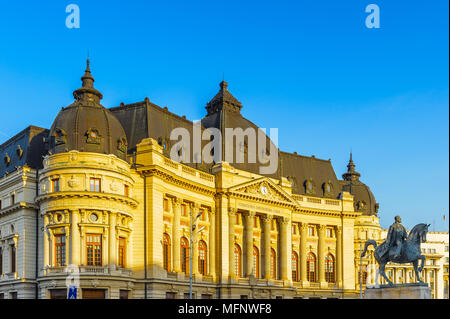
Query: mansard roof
[25, 148]
[145, 119]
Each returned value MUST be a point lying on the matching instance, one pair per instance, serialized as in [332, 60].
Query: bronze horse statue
[410, 252]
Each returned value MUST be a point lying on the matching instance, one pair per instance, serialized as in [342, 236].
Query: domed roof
[86, 125]
[364, 200]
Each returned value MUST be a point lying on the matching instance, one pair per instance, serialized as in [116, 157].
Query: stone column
[75, 239]
[286, 249]
[47, 261]
[267, 223]
[339, 255]
[176, 204]
[249, 243]
[302, 257]
[232, 220]
[112, 240]
[321, 253]
[212, 242]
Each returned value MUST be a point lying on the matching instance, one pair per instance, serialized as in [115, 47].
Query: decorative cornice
[168, 177]
[84, 194]
[16, 207]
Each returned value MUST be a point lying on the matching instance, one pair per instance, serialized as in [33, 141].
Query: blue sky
[310, 68]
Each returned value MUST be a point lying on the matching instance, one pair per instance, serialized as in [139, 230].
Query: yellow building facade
[108, 210]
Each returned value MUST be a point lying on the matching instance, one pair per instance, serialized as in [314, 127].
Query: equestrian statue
[400, 248]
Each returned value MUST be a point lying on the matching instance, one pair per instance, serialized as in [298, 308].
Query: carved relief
[73, 182]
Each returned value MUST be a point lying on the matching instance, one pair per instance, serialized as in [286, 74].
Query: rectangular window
[13, 199]
[122, 252]
[203, 215]
[0, 204]
[60, 250]
[123, 294]
[1, 261]
[330, 232]
[126, 190]
[58, 293]
[294, 229]
[95, 185]
[94, 249]
[311, 231]
[184, 210]
[2, 296]
[55, 185]
[13, 258]
[206, 296]
[13, 295]
[170, 295]
[166, 205]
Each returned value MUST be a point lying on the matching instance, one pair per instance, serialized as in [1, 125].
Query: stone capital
[232, 211]
[285, 220]
[267, 218]
[177, 201]
[249, 214]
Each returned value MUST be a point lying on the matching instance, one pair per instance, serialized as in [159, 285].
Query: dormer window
[327, 188]
[122, 144]
[60, 136]
[309, 185]
[19, 151]
[7, 159]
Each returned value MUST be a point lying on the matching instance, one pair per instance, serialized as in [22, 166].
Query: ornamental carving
[264, 190]
[73, 182]
[93, 136]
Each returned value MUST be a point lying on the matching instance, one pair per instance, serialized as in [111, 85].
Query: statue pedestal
[405, 291]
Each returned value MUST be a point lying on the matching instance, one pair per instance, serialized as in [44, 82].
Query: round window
[94, 217]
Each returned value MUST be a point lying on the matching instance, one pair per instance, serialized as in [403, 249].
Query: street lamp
[191, 241]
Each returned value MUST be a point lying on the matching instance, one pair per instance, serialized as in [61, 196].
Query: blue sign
[72, 292]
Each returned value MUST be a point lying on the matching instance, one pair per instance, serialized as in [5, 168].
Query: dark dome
[87, 126]
[364, 201]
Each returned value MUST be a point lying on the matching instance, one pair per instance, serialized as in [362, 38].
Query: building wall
[239, 208]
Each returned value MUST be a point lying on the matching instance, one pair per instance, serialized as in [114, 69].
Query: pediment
[265, 189]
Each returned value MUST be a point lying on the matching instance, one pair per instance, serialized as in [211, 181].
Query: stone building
[98, 201]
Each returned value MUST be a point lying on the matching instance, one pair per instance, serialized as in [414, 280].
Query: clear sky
[310, 68]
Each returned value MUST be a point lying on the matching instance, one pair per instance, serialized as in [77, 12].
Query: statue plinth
[403, 291]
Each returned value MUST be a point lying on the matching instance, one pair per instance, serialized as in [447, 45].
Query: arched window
[329, 268]
[166, 252]
[202, 255]
[294, 266]
[184, 246]
[237, 260]
[273, 264]
[311, 267]
[255, 262]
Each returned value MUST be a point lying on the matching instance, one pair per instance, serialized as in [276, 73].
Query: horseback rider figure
[395, 239]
